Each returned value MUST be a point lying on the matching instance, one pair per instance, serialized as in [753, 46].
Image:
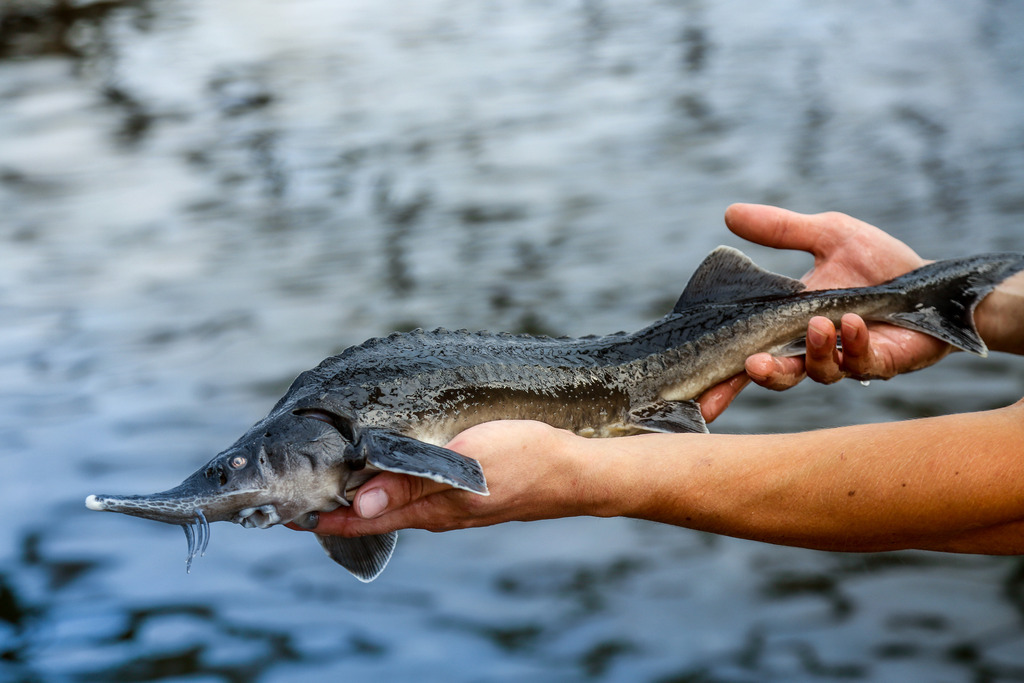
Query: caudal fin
[947, 292]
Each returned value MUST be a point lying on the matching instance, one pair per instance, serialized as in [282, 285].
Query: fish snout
[159, 507]
[179, 505]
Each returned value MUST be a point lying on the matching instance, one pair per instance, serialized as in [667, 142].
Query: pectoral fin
[669, 416]
[364, 556]
[396, 453]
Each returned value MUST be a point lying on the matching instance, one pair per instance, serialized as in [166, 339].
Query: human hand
[531, 474]
[847, 253]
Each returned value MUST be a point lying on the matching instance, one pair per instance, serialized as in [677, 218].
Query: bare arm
[953, 483]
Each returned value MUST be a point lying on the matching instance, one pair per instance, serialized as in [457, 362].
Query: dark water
[200, 200]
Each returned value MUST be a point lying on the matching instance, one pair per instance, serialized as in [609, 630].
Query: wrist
[1000, 316]
[599, 480]
[631, 476]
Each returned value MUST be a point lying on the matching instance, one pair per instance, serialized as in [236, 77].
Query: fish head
[286, 468]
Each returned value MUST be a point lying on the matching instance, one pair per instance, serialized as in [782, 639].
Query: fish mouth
[258, 517]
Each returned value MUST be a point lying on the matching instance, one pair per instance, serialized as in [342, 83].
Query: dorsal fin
[728, 274]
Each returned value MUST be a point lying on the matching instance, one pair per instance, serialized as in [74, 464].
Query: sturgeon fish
[391, 403]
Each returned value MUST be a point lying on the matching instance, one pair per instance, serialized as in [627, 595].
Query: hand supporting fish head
[288, 468]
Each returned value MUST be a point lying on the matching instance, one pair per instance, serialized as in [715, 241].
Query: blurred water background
[199, 200]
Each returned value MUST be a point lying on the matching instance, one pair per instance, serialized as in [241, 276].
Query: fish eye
[237, 462]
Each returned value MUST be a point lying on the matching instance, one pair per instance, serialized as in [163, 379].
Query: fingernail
[816, 337]
[757, 375]
[372, 503]
[850, 331]
[755, 366]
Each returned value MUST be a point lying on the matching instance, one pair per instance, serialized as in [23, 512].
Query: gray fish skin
[390, 403]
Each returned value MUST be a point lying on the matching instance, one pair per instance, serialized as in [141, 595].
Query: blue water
[200, 200]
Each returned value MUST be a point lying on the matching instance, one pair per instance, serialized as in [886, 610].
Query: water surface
[200, 200]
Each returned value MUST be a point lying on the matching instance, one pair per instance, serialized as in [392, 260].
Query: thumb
[390, 491]
[371, 502]
[771, 226]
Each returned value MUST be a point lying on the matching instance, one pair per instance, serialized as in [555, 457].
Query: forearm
[949, 483]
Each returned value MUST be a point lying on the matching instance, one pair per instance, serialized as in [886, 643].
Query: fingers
[826, 364]
[777, 374]
[377, 499]
[388, 492]
[858, 359]
[715, 400]
[373, 502]
[823, 362]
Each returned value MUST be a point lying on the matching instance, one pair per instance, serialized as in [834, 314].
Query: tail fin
[947, 293]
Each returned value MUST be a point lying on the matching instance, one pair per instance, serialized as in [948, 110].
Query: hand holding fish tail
[847, 253]
[823, 361]
[875, 352]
